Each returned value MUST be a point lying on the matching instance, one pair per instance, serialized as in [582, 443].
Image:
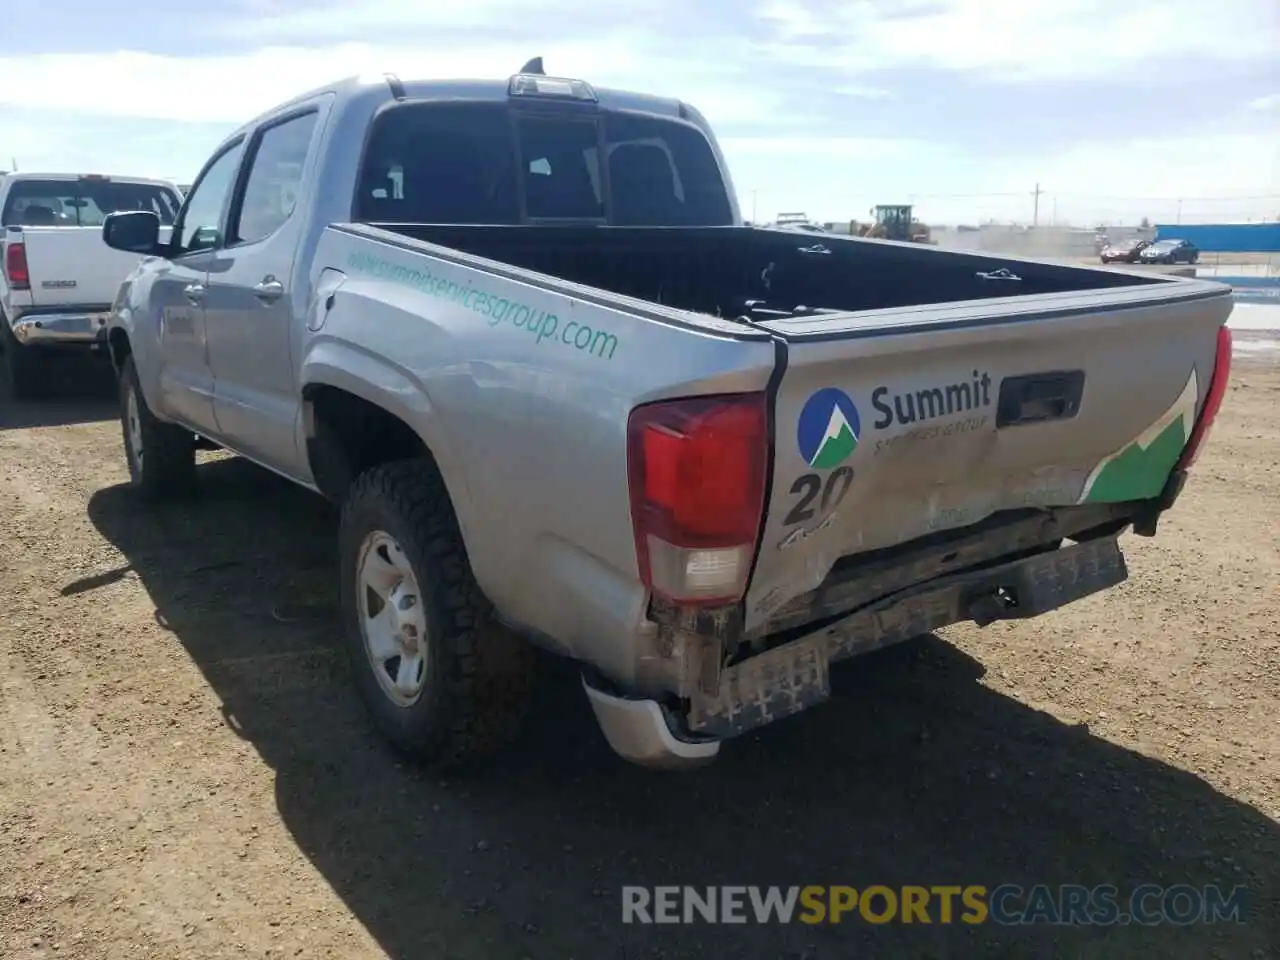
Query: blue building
[1225, 237]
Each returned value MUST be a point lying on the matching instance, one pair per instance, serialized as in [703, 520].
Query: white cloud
[125, 111]
[327, 22]
[146, 85]
[865, 148]
[1199, 179]
[1141, 168]
[1017, 40]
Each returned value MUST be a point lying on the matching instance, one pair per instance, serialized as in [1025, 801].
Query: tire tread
[169, 451]
[487, 672]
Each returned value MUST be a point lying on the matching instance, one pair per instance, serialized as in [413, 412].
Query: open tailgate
[890, 425]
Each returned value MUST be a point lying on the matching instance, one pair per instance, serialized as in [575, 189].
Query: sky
[1116, 110]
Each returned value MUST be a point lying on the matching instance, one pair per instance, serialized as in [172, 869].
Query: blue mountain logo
[828, 428]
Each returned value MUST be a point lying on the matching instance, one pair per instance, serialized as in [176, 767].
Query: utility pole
[753, 206]
[1035, 211]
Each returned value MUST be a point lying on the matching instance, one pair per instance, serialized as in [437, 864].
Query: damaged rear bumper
[795, 675]
[641, 730]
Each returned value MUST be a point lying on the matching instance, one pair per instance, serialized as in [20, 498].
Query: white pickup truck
[57, 278]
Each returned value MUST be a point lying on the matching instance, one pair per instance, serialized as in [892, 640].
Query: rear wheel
[161, 456]
[24, 366]
[443, 681]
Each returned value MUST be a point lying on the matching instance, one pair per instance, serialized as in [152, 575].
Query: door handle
[268, 289]
[194, 292]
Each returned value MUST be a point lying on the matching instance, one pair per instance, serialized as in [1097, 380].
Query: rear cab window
[487, 163]
[84, 202]
[275, 176]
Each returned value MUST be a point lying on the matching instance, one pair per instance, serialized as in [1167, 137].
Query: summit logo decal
[1140, 469]
[827, 432]
[828, 429]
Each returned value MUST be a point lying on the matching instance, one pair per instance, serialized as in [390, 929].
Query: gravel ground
[185, 771]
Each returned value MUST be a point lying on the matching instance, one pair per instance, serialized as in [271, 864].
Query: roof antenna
[534, 66]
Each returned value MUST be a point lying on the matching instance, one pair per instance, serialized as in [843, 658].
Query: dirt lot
[185, 772]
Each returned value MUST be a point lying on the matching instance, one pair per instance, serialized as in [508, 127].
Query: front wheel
[443, 681]
[161, 456]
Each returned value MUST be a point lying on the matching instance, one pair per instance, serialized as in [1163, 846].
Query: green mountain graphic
[837, 443]
[1140, 469]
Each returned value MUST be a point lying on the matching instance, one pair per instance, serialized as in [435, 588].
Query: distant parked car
[1170, 251]
[1124, 251]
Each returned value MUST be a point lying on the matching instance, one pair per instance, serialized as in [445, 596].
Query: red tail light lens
[1212, 400]
[697, 472]
[15, 266]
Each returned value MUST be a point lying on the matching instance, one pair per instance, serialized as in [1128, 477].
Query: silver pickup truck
[564, 398]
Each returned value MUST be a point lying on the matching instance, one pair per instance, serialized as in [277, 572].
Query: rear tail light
[1212, 400]
[697, 472]
[16, 273]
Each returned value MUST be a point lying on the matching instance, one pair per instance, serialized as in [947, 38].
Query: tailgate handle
[1040, 397]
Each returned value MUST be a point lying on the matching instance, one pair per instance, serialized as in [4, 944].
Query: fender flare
[376, 380]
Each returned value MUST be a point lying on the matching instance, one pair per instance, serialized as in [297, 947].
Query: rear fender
[340, 364]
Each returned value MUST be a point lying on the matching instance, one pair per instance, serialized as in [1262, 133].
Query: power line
[1175, 199]
[1121, 198]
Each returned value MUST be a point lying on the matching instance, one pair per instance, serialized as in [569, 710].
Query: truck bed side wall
[528, 390]
[712, 270]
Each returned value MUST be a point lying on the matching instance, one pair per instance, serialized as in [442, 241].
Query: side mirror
[133, 231]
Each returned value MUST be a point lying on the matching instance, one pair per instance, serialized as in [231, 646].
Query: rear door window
[275, 174]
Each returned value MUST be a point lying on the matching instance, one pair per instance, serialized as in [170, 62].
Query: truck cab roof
[12, 178]
[377, 87]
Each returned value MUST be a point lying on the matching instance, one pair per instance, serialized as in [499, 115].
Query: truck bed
[763, 273]
[915, 391]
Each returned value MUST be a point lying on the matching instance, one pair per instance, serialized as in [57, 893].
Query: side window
[275, 173]
[203, 214]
